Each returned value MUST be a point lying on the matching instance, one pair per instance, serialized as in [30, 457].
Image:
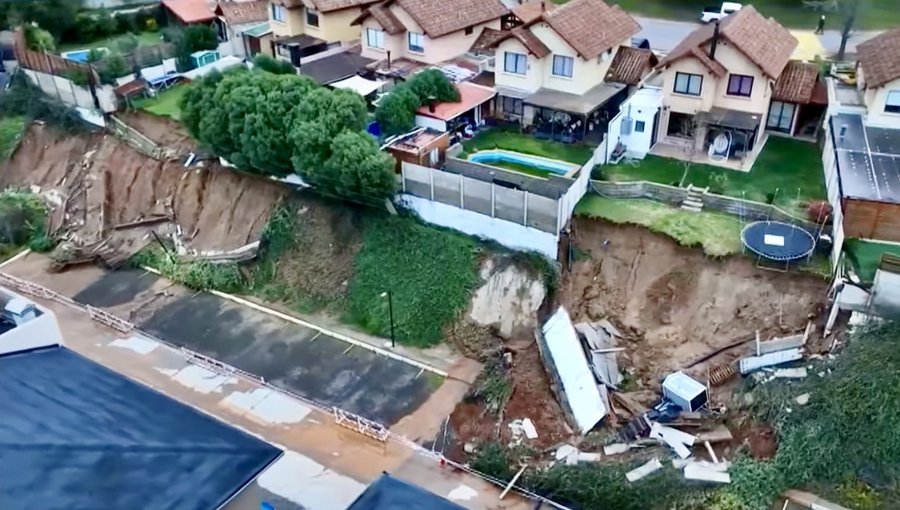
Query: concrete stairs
[694, 200]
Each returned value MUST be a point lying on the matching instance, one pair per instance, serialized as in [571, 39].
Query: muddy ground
[101, 182]
[673, 304]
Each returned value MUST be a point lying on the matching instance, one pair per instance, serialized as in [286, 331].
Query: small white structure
[685, 392]
[635, 127]
[25, 325]
[565, 360]
[360, 85]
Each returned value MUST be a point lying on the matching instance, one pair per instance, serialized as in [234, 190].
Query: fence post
[431, 175]
[403, 176]
[525, 211]
[493, 202]
[462, 192]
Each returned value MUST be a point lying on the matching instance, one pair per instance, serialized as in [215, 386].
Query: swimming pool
[492, 157]
[81, 55]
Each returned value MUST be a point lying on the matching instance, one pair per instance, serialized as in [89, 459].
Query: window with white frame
[639, 126]
[740, 85]
[515, 63]
[312, 17]
[278, 13]
[416, 42]
[690, 84]
[563, 66]
[781, 116]
[374, 38]
[892, 103]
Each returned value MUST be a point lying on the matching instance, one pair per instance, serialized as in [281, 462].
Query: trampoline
[778, 241]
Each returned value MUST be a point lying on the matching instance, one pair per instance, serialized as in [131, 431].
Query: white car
[711, 14]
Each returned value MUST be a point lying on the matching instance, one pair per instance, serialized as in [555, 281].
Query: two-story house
[426, 31]
[551, 70]
[878, 78]
[717, 85]
[304, 27]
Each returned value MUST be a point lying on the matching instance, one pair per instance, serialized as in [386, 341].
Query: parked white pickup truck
[711, 14]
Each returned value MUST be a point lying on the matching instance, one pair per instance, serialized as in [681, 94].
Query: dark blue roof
[389, 493]
[76, 435]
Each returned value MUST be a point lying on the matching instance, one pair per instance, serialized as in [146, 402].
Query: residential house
[259, 39]
[304, 27]
[717, 86]
[233, 19]
[799, 100]
[426, 31]
[421, 146]
[473, 106]
[190, 12]
[551, 71]
[878, 77]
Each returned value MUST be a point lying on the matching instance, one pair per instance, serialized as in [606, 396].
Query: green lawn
[792, 167]
[876, 14]
[164, 104]
[718, 234]
[11, 131]
[866, 255]
[513, 140]
[144, 39]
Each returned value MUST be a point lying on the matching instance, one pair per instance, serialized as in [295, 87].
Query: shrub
[151, 25]
[272, 65]
[38, 39]
[397, 111]
[79, 77]
[126, 43]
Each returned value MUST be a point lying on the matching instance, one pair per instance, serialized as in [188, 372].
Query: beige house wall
[435, 50]
[875, 101]
[333, 26]
[683, 103]
[736, 63]
[534, 69]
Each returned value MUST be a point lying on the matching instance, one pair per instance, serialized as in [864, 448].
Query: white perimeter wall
[40, 332]
[507, 233]
[71, 94]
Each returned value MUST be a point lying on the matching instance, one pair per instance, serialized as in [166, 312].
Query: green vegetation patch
[429, 272]
[515, 140]
[718, 234]
[787, 172]
[865, 256]
[166, 103]
[23, 223]
[11, 131]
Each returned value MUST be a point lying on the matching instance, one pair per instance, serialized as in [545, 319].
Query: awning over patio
[574, 103]
[511, 92]
[730, 119]
[359, 85]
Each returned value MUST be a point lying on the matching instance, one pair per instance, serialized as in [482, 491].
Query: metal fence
[485, 198]
[135, 138]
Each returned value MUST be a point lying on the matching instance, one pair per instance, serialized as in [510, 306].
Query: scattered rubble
[640, 472]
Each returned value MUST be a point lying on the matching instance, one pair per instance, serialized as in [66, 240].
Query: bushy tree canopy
[396, 113]
[279, 124]
[273, 65]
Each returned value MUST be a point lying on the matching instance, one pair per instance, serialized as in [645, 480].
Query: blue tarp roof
[76, 435]
[389, 493]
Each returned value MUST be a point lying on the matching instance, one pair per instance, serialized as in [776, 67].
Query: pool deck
[573, 168]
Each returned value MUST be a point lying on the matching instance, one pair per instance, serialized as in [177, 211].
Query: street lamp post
[387, 294]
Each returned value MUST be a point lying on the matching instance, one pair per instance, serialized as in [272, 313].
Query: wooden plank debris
[790, 373]
[640, 472]
[754, 363]
[781, 344]
[512, 482]
[616, 448]
[719, 434]
[696, 471]
[810, 500]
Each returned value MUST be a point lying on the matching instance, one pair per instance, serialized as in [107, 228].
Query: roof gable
[797, 83]
[440, 17]
[236, 13]
[762, 40]
[879, 58]
[630, 65]
[591, 27]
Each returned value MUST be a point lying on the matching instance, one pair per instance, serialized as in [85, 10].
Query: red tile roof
[630, 65]
[591, 26]
[796, 83]
[327, 5]
[470, 96]
[191, 11]
[383, 15]
[879, 58]
[236, 13]
[530, 11]
[762, 40]
[440, 17]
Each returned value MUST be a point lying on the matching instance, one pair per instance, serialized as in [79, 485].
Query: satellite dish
[720, 144]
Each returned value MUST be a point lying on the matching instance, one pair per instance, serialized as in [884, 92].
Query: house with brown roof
[233, 18]
[426, 31]
[878, 78]
[566, 67]
[304, 27]
[718, 83]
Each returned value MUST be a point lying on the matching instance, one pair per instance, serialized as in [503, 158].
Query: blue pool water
[490, 157]
[80, 55]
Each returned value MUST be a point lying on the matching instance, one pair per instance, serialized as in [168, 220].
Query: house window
[515, 63]
[562, 66]
[416, 42]
[689, 84]
[374, 38]
[278, 13]
[312, 17]
[639, 126]
[512, 106]
[781, 116]
[469, 30]
[892, 103]
[740, 85]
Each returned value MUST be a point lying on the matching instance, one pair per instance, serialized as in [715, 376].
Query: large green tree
[356, 169]
[396, 113]
[55, 16]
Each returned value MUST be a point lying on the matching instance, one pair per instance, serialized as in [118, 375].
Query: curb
[301, 322]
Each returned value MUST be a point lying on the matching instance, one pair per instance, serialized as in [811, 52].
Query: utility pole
[390, 315]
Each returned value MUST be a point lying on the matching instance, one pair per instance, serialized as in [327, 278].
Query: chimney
[543, 6]
[432, 101]
[714, 42]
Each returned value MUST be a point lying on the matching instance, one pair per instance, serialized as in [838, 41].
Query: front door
[655, 131]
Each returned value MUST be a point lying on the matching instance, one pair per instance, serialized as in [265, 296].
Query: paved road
[665, 34]
[314, 365]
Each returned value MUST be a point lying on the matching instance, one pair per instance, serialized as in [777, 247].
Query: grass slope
[165, 103]
[718, 234]
[792, 167]
[514, 140]
[11, 131]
